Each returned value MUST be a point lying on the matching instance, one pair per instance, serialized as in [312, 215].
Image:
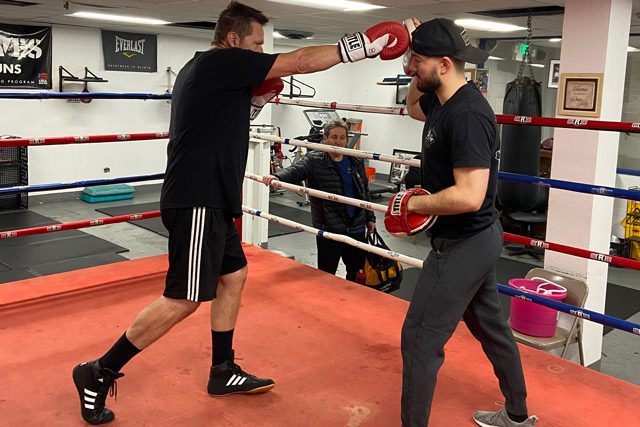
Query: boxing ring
[333, 347]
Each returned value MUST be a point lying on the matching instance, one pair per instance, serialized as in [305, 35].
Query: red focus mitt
[399, 222]
[398, 42]
[263, 94]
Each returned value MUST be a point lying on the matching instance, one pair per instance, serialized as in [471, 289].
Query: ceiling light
[632, 49]
[495, 58]
[537, 65]
[477, 24]
[555, 40]
[119, 18]
[344, 5]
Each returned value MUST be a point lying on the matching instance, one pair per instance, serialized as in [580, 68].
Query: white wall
[75, 48]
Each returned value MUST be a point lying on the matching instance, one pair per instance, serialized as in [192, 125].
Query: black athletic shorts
[203, 245]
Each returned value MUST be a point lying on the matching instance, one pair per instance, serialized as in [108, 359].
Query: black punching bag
[520, 147]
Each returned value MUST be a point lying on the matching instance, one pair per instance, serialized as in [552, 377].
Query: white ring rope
[347, 107]
[321, 194]
[392, 255]
[406, 159]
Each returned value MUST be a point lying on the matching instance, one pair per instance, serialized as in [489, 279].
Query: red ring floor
[333, 349]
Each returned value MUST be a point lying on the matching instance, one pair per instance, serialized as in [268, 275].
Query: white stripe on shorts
[195, 253]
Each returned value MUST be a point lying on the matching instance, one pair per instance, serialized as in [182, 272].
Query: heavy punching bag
[520, 147]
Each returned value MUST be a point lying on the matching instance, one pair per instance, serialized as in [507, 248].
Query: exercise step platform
[107, 193]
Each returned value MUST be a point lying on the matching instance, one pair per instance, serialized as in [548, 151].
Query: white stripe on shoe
[89, 396]
[236, 380]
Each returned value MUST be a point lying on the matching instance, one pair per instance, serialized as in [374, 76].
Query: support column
[594, 40]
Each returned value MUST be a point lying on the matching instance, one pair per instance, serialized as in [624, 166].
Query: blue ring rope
[583, 313]
[572, 186]
[632, 172]
[60, 186]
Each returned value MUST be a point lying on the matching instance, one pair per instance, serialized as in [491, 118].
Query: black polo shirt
[461, 133]
[209, 130]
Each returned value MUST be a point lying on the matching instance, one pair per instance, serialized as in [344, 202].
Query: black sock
[517, 418]
[118, 355]
[222, 343]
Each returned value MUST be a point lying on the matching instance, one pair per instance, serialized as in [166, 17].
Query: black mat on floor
[15, 275]
[622, 302]
[76, 264]
[297, 215]
[31, 256]
[152, 224]
[22, 219]
[56, 250]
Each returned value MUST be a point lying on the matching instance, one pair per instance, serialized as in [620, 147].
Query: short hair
[237, 17]
[332, 124]
[458, 64]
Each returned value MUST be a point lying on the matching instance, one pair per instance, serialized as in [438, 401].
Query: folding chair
[577, 291]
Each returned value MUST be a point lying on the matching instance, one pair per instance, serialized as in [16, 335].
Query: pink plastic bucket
[535, 319]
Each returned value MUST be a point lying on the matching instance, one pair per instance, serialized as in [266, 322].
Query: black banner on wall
[25, 57]
[129, 51]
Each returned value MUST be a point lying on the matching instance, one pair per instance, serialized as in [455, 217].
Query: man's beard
[431, 83]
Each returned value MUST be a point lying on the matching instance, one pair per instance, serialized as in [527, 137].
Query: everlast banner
[25, 56]
[129, 51]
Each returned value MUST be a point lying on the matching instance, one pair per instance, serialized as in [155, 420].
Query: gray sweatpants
[457, 281]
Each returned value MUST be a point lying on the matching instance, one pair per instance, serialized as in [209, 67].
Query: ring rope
[83, 95]
[508, 237]
[321, 194]
[629, 127]
[404, 160]
[583, 313]
[414, 262]
[632, 172]
[61, 186]
[577, 187]
[59, 140]
[503, 119]
[408, 160]
[77, 224]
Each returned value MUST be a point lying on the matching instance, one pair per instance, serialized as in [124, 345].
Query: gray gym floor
[620, 352]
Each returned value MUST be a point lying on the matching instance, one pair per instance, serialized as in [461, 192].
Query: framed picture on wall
[554, 73]
[470, 74]
[398, 171]
[482, 80]
[580, 94]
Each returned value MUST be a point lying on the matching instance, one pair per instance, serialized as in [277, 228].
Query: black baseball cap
[442, 37]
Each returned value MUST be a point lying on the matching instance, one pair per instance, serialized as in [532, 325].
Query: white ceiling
[327, 26]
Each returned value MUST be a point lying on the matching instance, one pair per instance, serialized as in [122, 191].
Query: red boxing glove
[263, 94]
[399, 222]
[399, 40]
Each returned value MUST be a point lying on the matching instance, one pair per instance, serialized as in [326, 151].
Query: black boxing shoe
[93, 383]
[229, 378]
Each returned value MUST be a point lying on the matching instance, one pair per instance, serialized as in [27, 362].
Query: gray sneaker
[500, 419]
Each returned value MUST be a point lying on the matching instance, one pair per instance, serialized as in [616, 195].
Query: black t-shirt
[209, 130]
[459, 134]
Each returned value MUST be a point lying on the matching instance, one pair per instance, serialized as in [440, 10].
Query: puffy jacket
[321, 173]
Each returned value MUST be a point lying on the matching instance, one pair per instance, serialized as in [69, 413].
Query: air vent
[199, 25]
[17, 3]
[295, 34]
[512, 13]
